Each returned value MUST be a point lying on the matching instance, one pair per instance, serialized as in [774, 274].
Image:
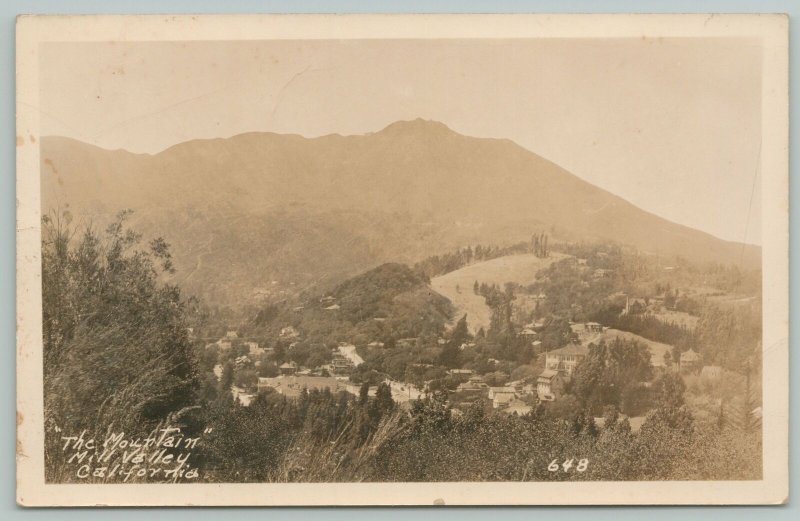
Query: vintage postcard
[402, 259]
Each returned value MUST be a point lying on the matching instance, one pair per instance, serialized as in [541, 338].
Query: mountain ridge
[452, 189]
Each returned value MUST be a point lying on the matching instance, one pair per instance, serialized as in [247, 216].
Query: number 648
[582, 465]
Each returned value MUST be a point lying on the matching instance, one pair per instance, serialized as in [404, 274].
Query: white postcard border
[772, 30]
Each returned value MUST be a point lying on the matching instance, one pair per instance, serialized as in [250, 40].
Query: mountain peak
[415, 126]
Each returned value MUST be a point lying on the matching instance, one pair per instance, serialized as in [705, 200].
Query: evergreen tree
[363, 394]
[383, 398]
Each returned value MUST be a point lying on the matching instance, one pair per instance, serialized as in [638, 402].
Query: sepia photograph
[418, 259]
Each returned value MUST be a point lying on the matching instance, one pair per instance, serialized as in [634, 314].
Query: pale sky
[671, 125]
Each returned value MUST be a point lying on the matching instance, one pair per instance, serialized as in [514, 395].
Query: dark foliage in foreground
[323, 437]
[116, 352]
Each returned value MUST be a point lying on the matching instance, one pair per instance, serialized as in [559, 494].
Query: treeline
[440, 264]
[650, 327]
[728, 337]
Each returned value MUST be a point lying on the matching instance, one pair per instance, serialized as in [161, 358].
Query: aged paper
[402, 259]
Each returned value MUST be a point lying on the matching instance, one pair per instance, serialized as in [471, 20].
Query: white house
[566, 358]
[549, 385]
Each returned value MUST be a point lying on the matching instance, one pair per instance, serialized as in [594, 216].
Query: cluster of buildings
[514, 397]
[291, 385]
[232, 339]
[560, 364]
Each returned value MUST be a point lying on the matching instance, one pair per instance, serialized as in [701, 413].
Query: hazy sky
[672, 125]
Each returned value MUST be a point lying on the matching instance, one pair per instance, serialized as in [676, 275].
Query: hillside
[388, 301]
[457, 285]
[413, 189]
[372, 294]
[657, 349]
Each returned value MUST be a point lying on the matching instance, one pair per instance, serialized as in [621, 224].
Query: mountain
[258, 207]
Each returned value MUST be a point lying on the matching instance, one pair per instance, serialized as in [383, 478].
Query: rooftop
[548, 374]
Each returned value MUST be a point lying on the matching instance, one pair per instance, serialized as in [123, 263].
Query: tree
[460, 333]
[667, 359]
[116, 347]
[524, 372]
[226, 380]
[450, 356]
[383, 398]
[611, 374]
[245, 378]
[363, 394]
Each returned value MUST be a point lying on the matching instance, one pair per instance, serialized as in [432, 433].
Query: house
[288, 368]
[494, 391]
[522, 388]
[501, 400]
[549, 385]
[593, 327]
[528, 332]
[689, 360]
[231, 335]
[467, 372]
[517, 407]
[288, 333]
[375, 345]
[585, 333]
[254, 350]
[566, 358]
[341, 364]
[712, 372]
[327, 301]
[334, 307]
[242, 361]
[292, 386]
[471, 387]
[585, 330]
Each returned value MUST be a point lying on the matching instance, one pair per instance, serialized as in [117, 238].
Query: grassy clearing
[457, 285]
